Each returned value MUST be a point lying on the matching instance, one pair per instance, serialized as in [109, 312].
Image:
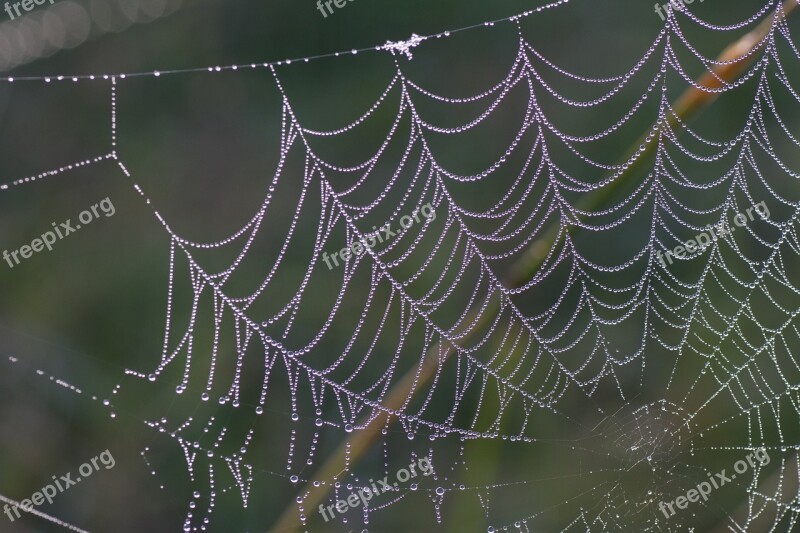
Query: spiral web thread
[725, 316]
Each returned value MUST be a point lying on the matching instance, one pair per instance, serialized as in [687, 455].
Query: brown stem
[687, 106]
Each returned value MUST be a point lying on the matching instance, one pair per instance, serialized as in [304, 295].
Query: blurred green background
[204, 147]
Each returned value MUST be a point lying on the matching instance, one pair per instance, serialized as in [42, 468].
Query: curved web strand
[645, 369]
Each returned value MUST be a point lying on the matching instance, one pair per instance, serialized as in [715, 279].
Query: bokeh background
[203, 146]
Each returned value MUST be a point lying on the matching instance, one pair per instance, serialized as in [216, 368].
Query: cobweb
[622, 380]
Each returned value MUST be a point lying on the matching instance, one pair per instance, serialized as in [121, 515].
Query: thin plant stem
[735, 61]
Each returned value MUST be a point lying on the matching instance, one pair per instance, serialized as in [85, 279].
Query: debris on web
[596, 328]
[404, 47]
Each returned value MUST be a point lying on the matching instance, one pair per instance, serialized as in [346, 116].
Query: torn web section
[50, 387]
[257, 322]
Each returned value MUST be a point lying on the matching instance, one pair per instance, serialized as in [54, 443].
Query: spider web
[646, 376]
